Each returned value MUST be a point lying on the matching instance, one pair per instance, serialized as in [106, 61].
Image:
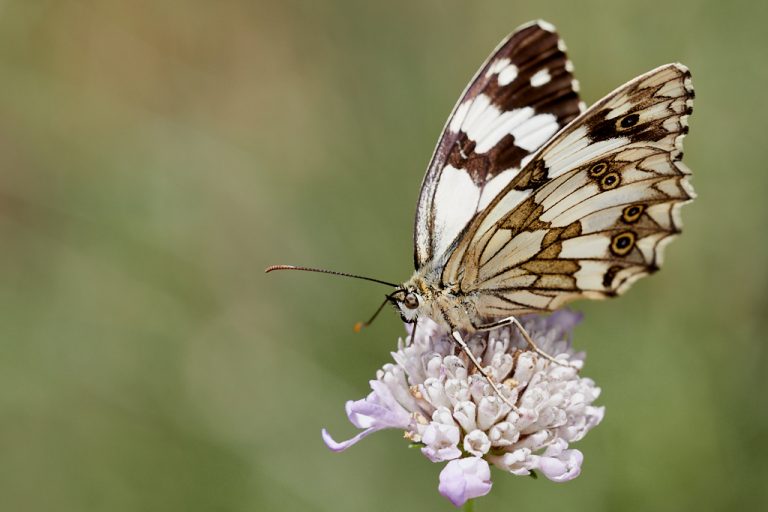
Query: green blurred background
[157, 155]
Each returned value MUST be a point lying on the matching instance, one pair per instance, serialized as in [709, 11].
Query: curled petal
[377, 411]
[517, 462]
[443, 415]
[465, 414]
[343, 445]
[559, 464]
[477, 443]
[440, 442]
[464, 479]
[489, 411]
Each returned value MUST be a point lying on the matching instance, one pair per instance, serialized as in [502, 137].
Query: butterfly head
[407, 302]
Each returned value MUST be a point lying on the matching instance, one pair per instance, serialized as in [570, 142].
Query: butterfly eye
[411, 301]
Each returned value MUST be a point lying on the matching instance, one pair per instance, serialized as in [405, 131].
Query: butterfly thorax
[446, 304]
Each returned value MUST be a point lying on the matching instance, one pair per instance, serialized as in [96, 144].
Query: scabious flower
[447, 407]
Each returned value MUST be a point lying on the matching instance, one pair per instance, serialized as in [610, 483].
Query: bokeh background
[155, 156]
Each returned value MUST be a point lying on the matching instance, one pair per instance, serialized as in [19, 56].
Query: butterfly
[531, 200]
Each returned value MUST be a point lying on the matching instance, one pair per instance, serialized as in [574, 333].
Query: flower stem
[469, 506]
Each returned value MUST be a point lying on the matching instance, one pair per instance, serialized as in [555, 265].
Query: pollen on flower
[441, 402]
[412, 436]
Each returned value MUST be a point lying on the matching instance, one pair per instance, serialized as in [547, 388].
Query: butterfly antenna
[359, 325]
[323, 271]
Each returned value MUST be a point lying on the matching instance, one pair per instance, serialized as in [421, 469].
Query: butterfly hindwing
[591, 212]
[519, 98]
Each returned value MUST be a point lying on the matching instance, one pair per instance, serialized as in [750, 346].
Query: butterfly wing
[520, 97]
[592, 211]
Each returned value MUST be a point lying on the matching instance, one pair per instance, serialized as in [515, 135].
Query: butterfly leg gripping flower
[514, 321]
[482, 371]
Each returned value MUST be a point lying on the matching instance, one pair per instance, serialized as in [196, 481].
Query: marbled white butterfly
[531, 201]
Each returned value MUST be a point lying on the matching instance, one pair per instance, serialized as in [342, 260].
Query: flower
[464, 479]
[449, 409]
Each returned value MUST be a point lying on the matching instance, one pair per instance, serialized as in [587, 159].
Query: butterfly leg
[514, 321]
[409, 340]
[479, 367]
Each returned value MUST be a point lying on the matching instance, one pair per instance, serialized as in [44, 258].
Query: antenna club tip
[359, 326]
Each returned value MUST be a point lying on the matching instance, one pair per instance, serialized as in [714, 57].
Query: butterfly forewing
[591, 212]
[518, 100]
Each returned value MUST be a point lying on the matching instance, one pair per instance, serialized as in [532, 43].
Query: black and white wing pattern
[520, 97]
[591, 212]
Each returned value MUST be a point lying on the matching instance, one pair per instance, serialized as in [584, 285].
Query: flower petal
[477, 443]
[562, 467]
[440, 442]
[377, 411]
[464, 479]
[367, 414]
[340, 447]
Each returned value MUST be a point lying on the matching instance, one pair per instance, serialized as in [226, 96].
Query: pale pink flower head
[447, 408]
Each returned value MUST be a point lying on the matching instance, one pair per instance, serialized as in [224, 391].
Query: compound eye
[411, 301]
